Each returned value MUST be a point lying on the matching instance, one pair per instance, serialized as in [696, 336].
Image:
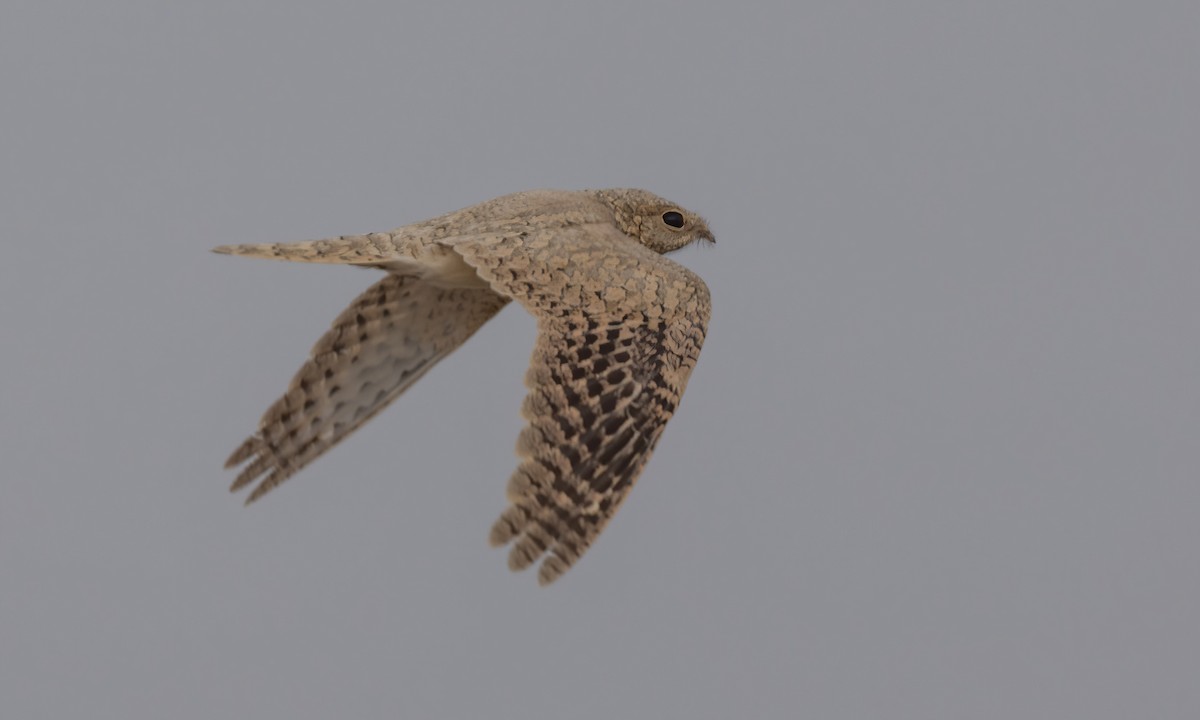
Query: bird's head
[658, 224]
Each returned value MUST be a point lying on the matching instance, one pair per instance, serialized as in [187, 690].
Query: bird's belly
[444, 269]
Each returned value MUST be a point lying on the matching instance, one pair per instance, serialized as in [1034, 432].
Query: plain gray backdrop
[938, 458]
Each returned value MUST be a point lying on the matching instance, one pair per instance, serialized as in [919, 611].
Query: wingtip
[507, 526]
[243, 452]
[254, 495]
[267, 484]
[223, 250]
[550, 570]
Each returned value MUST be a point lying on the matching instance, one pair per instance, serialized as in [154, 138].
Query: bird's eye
[673, 219]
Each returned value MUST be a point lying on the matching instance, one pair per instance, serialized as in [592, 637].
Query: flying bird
[619, 331]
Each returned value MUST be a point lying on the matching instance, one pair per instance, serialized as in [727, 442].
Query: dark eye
[673, 219]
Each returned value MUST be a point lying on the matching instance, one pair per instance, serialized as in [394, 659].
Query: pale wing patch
[388, 338]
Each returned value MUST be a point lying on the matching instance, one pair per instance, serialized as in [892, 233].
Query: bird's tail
[344, 250]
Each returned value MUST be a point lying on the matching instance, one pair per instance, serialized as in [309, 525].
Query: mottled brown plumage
[619, 331]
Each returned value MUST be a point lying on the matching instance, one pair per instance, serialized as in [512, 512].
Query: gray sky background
[938, 459]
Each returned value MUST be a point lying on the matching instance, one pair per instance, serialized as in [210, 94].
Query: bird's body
[619, 330]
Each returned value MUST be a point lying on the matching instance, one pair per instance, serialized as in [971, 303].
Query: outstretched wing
[620, 329]
[388, 338]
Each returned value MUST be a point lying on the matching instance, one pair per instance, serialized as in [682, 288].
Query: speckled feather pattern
[619, 330]
[383, 343]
